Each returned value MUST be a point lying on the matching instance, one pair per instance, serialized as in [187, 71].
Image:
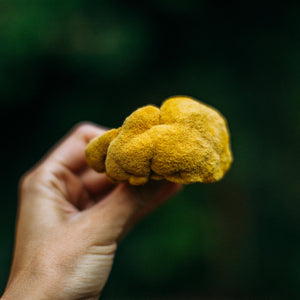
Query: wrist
[35, 288]
[27, 288]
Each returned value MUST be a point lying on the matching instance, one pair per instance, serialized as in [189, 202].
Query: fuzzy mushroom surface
[183, 141]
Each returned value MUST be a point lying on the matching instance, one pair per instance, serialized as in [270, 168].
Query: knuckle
[83, 127]
[25, 181]
[30, 179]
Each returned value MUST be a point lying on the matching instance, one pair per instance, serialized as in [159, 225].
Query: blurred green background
[62, 62]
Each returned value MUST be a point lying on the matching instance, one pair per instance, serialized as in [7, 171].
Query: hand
[70, 219]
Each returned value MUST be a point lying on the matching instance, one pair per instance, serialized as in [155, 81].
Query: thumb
[107, 219]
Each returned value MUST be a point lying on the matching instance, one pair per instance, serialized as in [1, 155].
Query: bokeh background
[65, 61]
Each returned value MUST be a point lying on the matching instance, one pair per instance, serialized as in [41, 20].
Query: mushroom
[183, 141]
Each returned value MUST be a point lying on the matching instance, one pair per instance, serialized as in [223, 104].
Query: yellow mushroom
[185, 141]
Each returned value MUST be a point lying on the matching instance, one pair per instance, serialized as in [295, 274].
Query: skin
[70, 220]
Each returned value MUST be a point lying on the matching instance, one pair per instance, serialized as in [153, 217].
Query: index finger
[70, 151]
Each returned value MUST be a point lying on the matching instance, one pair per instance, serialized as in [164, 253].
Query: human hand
[70, 219]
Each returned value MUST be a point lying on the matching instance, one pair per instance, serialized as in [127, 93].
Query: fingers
[96, 184]
[70, 152]
[58, 170]
[108, 219]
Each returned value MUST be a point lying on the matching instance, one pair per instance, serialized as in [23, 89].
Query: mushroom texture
[185, 141]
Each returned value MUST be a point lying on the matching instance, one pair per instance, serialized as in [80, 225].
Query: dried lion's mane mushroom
[184, 141]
